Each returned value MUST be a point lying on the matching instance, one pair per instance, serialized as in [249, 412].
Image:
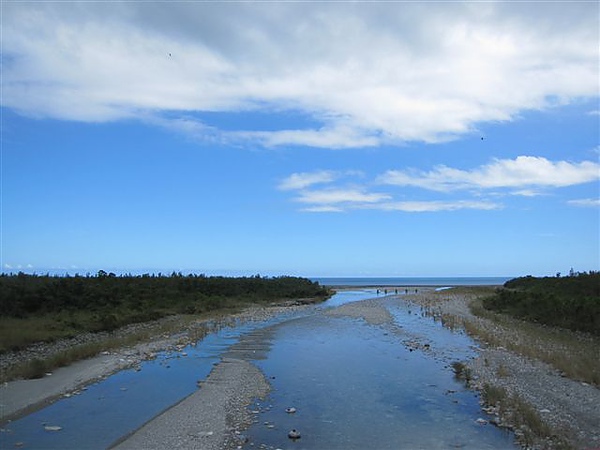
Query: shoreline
[564, 409]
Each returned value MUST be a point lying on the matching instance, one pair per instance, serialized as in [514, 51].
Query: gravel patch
[21, 397]
[569, 407]
[372, 311]
[210, 419]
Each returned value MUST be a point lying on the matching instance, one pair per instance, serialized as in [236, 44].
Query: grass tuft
[462, 372]
[513, 410]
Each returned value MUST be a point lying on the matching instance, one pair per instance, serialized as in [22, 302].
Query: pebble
[294, 434]
[290, 410]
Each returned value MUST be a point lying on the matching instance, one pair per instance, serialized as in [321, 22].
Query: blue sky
[314, 139]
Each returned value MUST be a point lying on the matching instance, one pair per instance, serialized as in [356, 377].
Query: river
[352, 384]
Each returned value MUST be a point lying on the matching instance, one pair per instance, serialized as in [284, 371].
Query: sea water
[411, 281]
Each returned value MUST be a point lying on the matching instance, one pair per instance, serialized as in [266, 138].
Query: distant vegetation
[36, 308]
[571, 302]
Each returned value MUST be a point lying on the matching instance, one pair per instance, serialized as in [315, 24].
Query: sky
[300, 138]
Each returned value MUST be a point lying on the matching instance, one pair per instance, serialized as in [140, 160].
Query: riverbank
[516, 373]
[172, 334]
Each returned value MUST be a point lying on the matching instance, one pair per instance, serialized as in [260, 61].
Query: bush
[569, 302]
[105, 301]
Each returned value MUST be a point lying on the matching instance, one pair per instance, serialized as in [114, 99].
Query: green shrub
[569, 302]
[73, 304]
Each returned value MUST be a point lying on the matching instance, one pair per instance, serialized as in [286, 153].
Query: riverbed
[376, 374]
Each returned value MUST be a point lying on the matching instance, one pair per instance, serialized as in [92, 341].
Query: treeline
[571, 302]
[110, 301]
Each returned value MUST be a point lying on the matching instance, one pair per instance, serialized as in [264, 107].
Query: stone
[52, 428]
[290, 410]
[294, 434]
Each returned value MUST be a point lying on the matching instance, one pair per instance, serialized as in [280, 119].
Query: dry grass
[515, 411]
[18, 333]
[576, 355]
[38, 367]
[462, 372]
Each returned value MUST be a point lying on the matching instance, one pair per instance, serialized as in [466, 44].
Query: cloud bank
[364, 73]
[501, 176]
[524, 171]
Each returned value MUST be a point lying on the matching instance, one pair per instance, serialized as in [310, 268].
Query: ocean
[411, 281]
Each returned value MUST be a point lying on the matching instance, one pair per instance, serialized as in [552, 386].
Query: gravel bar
[209, 419]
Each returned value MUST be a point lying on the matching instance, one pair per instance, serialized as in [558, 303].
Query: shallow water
[123, 402]
[354, 385]
[359, 386]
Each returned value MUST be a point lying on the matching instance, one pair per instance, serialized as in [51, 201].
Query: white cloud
[306, 179]
[435, 206]
[341, 201]
[366, 73]
[523, 171]
[585, 202]
[323, 209]
[525, 176]
[527, 193]
[333, 198]
[336, 196]
[338, 137]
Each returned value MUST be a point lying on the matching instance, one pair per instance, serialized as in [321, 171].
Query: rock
[52, 428]
[290, 410]
[481, 421]
[294, 434]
